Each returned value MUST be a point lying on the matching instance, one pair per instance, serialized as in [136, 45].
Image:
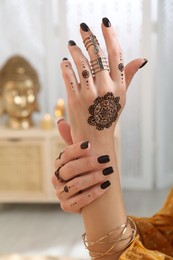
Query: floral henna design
[104, 111]
[85, 74]
[121, 67]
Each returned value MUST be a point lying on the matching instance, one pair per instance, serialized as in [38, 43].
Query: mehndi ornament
[104, 111]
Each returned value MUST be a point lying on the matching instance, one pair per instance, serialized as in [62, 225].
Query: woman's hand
[80, 178]
[95, 104]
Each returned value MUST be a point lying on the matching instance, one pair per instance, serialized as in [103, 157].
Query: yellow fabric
[156, 235]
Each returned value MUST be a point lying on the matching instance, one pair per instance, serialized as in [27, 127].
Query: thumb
[65, 132]
[132, 67]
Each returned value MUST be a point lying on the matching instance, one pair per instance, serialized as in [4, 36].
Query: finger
[56, 183]
[69, 78]
[132, 67]
[115, 54]
[83, 182]
[95, 51]
[82, 65]
[65, 131]
[76, 167]
[72, 152]
[76, 203]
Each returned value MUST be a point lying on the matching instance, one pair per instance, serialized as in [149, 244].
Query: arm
[92, 94]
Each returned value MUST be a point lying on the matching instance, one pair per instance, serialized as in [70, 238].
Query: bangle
[106, 239]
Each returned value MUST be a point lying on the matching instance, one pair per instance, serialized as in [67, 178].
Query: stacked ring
[98, 64]
[91, 40]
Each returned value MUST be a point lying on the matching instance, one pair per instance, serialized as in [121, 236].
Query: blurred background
[38, 30]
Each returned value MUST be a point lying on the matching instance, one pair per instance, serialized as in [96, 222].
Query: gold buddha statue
[19, 86]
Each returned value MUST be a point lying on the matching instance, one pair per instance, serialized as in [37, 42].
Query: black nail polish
[143, 64]
[64, 58]
[84, 27]
[107, 171]
[103, 159]
[105, 185]
[106, 22]
[71, 43]
[84, 145]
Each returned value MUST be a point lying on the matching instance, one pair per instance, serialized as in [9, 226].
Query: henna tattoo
[58, 176]
[121, 67]
[85, 74]
[72, 85]
[66, 189]
[121, 57]
[87, 82]
[73, 204]
[104, 111]
[83, 64]
[59, 157]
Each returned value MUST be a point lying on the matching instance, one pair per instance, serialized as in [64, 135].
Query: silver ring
[91, 40]
[99, 64]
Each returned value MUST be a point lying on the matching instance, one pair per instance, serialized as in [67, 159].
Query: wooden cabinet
[27, 163]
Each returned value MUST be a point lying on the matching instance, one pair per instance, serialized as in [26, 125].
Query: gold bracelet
[100, 240]
[119, 238]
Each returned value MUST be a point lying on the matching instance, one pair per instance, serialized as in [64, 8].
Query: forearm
[107, 212]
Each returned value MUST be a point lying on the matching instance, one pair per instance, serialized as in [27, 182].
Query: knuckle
[67, 171]
[114, 52]
[90, 98]
[53, 180]
[58, 195]
[67, 73]
[98, 177]
[95, 177]
[84, 200]
[95, 193]
[70, 167]
[90, 163]
[66, 152]
[56, 164]
[77, 185]
[64, 207]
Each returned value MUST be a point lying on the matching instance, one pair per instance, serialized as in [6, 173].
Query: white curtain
[39, 30]
[164, 97]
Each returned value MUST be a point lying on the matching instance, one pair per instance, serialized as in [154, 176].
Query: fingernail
[84, 145]
[107, 171]
[143, 64]
[64, 58]
[60, 120]
[71, 43]
[106, 22]
[84, 27]
[103, 159]
[105, 184]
